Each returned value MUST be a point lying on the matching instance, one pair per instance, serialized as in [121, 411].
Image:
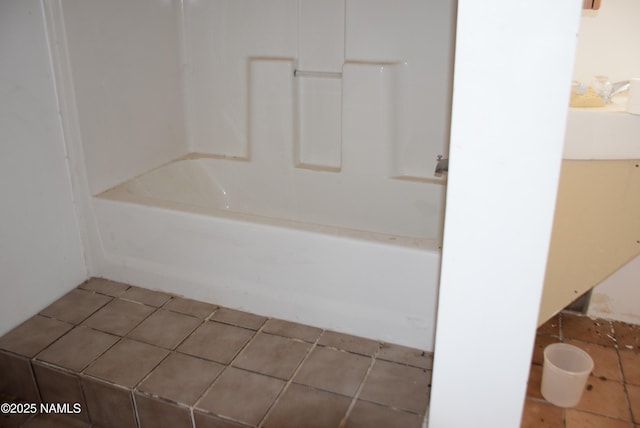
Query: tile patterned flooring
[612, 395]
[138, 358]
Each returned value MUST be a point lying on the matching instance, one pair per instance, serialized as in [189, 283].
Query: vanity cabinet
[596, 228]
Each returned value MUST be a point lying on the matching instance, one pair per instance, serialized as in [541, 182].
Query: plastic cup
[564, 374]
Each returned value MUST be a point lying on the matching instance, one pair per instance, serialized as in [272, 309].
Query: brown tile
[627, 335]
[578, 419]
[586, 329]
[75, 306]
[272, 355]
[630, 361]
[203, 420]
[119, 317]
[148, 297]
[190, 307]
[397, 385]
[359, 345]
[127, 363]
[551, 327]
[54, 421]
[12, 420]
[366, 415]
[404, 355]
[540, 414]
[103, 398]
[332, 370]
[540, 344]
[153, 413]
[605, 360]
[239, 318]
[33, 335]
[241, 395]
[302, 406]
[16, 379]
[165, 329]
[216, 341]
[78, 348]
[606, 398]
[57, 386]
[634, 400]
[181, 378]
[535, 382]
[104, 286]
[291, 329]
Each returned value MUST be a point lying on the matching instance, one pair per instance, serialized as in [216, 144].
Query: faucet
[619, 87]
[441, 166]
[603, 87]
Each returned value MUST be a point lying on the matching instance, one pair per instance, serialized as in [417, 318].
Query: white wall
[503, 178]
[618, 296]
[41, 253]
[608, 43]
[127, 77]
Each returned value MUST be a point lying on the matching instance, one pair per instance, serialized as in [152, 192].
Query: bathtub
[348, 252]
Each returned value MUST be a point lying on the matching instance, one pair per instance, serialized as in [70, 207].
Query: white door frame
[513, 66]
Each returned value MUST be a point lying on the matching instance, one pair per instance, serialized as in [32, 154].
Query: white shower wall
[154, 80]
[369, 101]
[336, 47]
[127, 77]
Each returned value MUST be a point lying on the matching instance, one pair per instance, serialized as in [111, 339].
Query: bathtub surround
[312, 125]
[341, 85]
[122, 60]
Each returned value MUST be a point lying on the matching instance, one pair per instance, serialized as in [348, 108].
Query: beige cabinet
[596, 228]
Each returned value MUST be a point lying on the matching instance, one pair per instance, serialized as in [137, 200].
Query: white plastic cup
[564, 374]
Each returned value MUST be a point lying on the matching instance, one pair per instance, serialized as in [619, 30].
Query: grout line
[290, 380]
[213, 312]
[624, 384]
[192, 408]
[343, 422]
[226, 365]
[192, 416]
[135, 408]
[590, 412]
[135, 387]
[246, 345]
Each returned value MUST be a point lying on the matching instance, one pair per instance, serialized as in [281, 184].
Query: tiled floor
[132, 357]
[612, 395]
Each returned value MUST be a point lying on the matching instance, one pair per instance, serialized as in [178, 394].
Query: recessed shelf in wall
[318, 74]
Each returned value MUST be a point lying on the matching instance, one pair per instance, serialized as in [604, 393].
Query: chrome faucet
[619, 87]
[441, 166]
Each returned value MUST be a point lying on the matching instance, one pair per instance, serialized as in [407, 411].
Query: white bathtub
[302, 245]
